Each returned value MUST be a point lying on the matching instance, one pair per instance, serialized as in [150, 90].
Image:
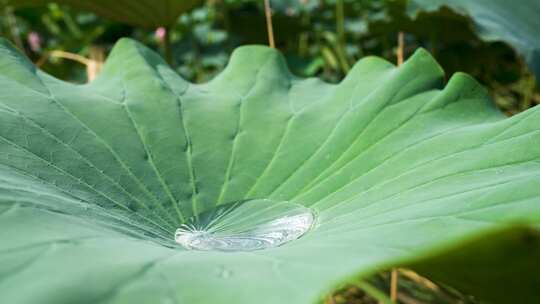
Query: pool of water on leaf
[246, 226]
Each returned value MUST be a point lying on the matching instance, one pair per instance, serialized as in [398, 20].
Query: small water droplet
[246, 226]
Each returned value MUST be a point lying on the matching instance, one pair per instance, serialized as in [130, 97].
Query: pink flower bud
[34, 41]
[160, 34]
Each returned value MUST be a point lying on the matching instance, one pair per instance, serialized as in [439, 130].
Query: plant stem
[13, 27]
[393, 285]
[93, 64]
[330, 300]
[400, 49]
[374, 292]
[269, 27]
[167, 46]
[97, 57]
[340, 21]
[303, 39]
[224, 9]
[340, 32]
[70, 56]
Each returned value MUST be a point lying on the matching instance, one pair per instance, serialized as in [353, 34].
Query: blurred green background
[322, 38]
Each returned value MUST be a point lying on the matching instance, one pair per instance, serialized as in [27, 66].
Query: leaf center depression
[246, 226]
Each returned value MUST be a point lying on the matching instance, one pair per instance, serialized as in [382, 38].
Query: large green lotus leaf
[399, 170]
[516, 23]
[146, 13]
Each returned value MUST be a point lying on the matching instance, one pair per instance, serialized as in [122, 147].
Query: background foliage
[319, 38]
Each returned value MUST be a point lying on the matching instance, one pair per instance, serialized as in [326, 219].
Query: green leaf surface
[516, 23]
[145, 13]
[399, 169]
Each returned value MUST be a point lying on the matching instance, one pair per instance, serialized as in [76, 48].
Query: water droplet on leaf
[246, 226]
